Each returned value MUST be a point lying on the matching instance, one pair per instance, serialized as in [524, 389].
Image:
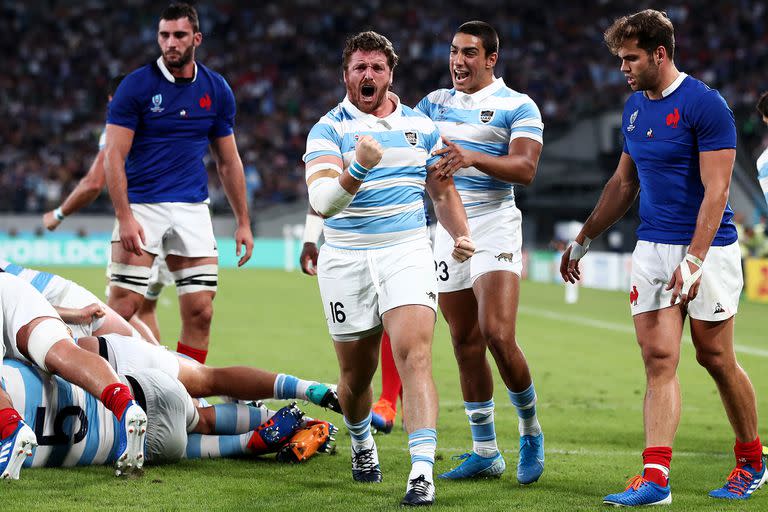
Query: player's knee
[128, 285]
[416, 362]
[715, 362]
[38, 340]
[200, 314]
[200, 278]
[466, 352]
[658, 361]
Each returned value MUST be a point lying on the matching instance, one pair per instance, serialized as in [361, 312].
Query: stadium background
[282, 60]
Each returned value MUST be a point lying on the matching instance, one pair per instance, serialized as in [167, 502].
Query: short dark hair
[484, 31]
[762, 104]
[651, 28]
[180, 10]
[369, 41]
[114, 82]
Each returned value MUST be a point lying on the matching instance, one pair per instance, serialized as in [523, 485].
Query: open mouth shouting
[367, 91]
[460, 77]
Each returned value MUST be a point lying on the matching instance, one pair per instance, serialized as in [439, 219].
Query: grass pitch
[588, 376]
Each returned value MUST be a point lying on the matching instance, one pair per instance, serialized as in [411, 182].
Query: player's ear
[197, 39]
[490, 61]
[660, 55]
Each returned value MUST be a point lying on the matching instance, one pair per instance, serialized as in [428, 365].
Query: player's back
[50, 285]
[389, 207]
[486, 121]
[72, 427]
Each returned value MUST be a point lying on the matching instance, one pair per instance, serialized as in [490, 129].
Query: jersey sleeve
[433, 143]
[713, 123]
[124, 109]
[424, 106]
[224, 125]
[525, 121]
[323, 140]
[762, 173]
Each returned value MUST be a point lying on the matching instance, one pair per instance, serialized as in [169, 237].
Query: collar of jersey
[485, 92]
[167, 74]
[672, 87]
[369, 119]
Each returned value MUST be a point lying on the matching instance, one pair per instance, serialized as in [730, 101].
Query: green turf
[588, 376]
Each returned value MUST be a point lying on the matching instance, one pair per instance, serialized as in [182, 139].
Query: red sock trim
[116, 398]
[195, 353]
[661, 455]
[749, 453]
[9, 421]
[391, 386]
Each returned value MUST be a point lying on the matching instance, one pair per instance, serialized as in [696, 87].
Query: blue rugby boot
[476, 466]
[742, 482]
[530, 465]
[130, 442]
[14, 450]
[640, 492]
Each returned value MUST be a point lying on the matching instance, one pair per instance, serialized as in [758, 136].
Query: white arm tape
[578, 251]
[328, 197]
[313, 228]
[688, 277]
[314, 168]
[43, 337]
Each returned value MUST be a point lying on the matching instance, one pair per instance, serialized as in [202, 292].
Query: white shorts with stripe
[721, 280]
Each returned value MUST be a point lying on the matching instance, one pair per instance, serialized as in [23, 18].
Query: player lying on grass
[74, 429]
[127, 354]
[80, 309]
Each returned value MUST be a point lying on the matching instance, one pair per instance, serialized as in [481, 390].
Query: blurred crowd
[282, 60]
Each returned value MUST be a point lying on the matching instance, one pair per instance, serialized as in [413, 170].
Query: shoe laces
[738, 481]
[420, 485]
[635, 482]
[364, 460]
[463, 456]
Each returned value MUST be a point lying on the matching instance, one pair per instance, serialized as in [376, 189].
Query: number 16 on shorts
[336, 312]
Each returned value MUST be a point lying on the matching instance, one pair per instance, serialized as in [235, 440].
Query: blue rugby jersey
[762, 172]
[389, 207]
[72, 427]
[485, 121]
[664, 138]
[50, 285]
[173, 125]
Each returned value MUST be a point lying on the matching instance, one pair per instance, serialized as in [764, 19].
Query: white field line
[617, 327]
[581, 452]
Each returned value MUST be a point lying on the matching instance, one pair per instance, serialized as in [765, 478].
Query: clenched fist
[368, 152]
[463, 248]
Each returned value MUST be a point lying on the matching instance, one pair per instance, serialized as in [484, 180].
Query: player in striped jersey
[493, 138]
[762, 161]
[80, 309]
[366, 174]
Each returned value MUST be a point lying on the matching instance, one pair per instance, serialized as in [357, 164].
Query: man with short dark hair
[762, 161]
[161, 122]
[679, 150]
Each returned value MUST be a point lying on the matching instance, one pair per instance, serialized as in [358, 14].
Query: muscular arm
[85, 192]
[119, 141]
[451, 214]
[230, 170]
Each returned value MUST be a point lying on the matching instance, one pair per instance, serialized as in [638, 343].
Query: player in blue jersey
[33, 331]
[762, 161]
[679, 150]
[366, 174]
[161, 122]
[493, 138]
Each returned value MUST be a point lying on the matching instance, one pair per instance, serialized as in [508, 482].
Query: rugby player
[679, 150]
[366, 174]
[493, 139]
[762, 161]
[160, 123]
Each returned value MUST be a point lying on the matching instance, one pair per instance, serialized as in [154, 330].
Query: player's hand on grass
[463, 248]
[131, 235]
[50, 221]
[569, 262]
[368, 152]
[685, 282]
[454, 158]
[308, 259]
[243, 238]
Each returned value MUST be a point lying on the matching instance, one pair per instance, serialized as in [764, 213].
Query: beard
[184, 59]
[649, 78]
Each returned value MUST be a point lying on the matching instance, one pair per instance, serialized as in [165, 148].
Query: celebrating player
[679, 150]
[762, 161]
[366, 173]
[160, 124]
[493, 138]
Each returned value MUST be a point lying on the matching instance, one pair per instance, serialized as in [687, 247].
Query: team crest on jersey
[412, 138]
[632, 121]
[486, 116]
[157, 100]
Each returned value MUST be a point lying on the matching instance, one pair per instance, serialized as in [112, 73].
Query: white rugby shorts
[358, 286]
[183, 229]
[721, 280]
[127, 354]
[76, 297]
[498, 246]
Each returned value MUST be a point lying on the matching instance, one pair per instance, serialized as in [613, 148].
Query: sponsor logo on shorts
[486, 116]
[505, 256]
[633, 295]
[718, 308]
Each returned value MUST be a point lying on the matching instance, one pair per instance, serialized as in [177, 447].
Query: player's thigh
[721, 285]
[191, 234]
[127, 354]
[155, 222]
[403, 277]
[713, 339]
[459, 309]
[498, 240]
[410, 328]
[659, 334]
[196, 278]
[349, 296]
[498, 295]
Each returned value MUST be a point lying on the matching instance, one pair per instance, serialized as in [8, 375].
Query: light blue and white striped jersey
[72, 427]
[762, 172]
[389, 207]
[50, 285]
[486, 121]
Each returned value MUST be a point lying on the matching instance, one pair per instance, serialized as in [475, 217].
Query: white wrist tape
[578, 251]
[58, 213]
[328, 197]
[689, 278]
[313, 228]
